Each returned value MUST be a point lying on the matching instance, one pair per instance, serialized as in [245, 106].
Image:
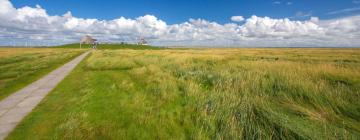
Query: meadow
[112, 46]
[204, 94]
[22, 66]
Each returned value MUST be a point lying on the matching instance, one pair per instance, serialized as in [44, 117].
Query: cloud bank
[34, 24]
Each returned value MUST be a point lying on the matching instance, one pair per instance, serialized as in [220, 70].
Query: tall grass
[204, 94]
[111, 46]
[19, 66]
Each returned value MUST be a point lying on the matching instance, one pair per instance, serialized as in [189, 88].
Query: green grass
[204, 94]
[20, 67]
[113, 46]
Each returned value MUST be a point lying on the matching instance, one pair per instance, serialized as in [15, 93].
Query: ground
[113, 46]
[22, 66]
[204, 94]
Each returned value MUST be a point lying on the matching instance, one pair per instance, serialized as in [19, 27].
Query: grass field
[204, 94]
[21, 66]
[113, 46]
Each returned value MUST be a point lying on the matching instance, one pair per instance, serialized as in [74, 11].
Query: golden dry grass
[4, 52]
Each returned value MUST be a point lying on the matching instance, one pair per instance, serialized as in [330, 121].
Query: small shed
[87, 40]
[142, 41]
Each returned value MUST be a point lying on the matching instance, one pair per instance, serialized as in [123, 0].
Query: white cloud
[303, 14]
[33, 24]
[283, 3]
[237, 18]
[276, 2]
[314, 19]
[347, 10]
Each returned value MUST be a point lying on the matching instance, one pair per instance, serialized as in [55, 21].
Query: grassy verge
[20, 67]
[204, 94]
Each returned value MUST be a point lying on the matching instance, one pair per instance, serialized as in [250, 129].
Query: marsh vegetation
[21, 66]
[204, 94]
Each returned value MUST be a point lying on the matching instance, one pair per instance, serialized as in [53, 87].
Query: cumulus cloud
[34, 24]
[237, 18]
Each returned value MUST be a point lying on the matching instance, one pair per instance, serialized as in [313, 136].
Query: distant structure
[142, 41]
[88, 40]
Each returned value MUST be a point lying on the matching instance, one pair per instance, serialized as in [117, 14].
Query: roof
[87, 40]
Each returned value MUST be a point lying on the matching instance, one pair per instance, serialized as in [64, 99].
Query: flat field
[204, 94]
[112, 46]
[22, 66]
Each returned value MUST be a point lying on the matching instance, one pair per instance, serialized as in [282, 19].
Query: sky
[223, 23]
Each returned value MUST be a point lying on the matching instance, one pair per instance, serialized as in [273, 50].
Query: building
[142, 42]
[88, 40]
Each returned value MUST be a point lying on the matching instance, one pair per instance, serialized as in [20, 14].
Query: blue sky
[235, 23]
[176, 11]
